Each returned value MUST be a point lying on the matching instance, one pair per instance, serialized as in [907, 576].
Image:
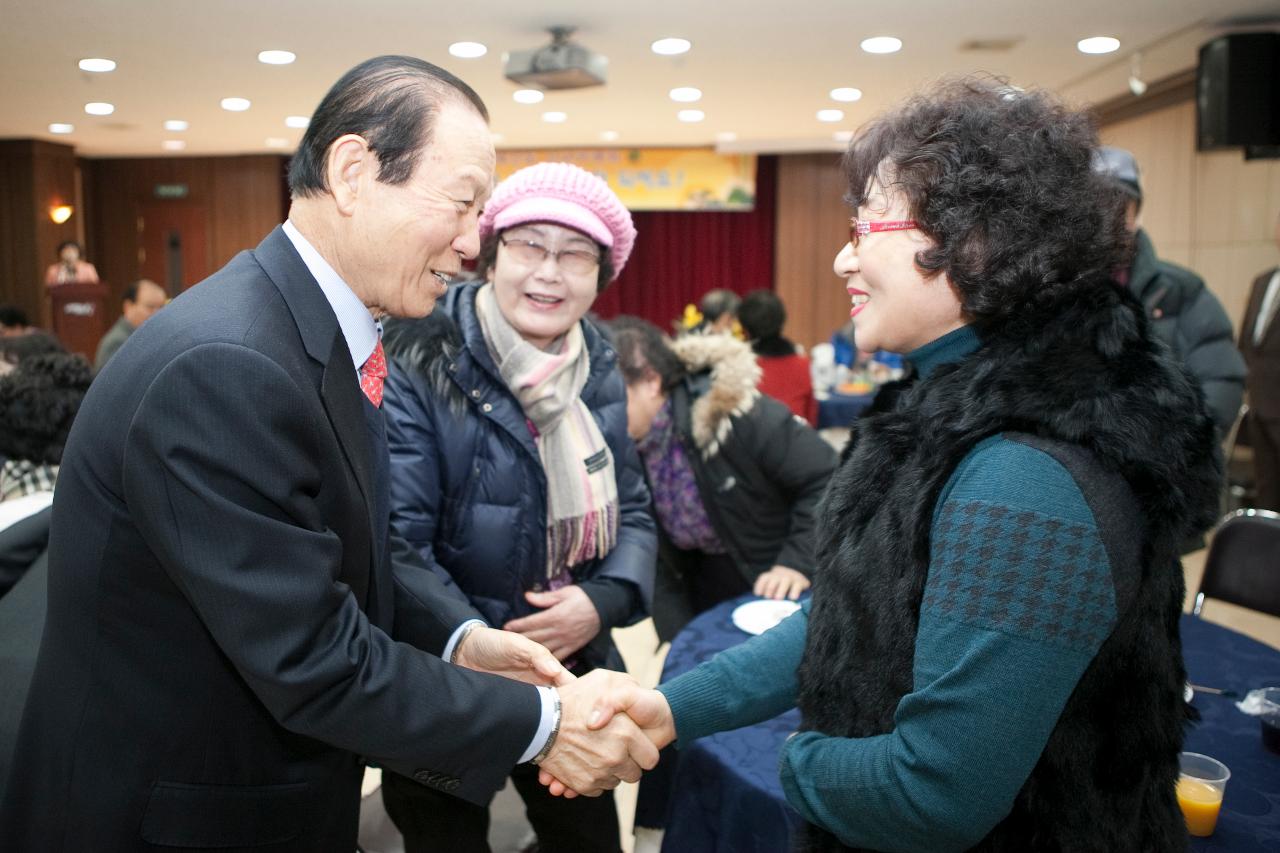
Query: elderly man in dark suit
[229, 639]
[1260, 344]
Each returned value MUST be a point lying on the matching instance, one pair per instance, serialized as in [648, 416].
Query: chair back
[1243, 566]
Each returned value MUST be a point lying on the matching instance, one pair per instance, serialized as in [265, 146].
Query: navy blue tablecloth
[840, 410]
[724, 796]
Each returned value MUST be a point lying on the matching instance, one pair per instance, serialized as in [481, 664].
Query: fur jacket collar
[722, 379]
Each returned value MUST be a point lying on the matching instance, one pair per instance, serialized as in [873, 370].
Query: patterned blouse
[675, 490]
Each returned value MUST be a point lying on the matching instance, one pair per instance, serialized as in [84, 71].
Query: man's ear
[349, 163]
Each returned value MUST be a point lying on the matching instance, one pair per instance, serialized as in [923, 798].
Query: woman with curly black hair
[991, 659]
[38, 402]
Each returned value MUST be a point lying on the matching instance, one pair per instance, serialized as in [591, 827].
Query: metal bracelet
[466, 632]
[555, 730]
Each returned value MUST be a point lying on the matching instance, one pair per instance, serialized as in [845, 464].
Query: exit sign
[171, 190]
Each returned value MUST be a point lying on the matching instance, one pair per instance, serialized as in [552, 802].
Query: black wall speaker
[1238, 91]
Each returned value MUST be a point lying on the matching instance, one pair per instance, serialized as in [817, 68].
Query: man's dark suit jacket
[218, 661]
[1262, 358]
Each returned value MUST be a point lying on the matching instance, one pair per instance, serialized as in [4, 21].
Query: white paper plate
[756, 617]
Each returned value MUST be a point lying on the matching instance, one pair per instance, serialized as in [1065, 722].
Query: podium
[80, 315]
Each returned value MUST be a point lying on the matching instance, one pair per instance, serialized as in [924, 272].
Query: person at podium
[71, 268]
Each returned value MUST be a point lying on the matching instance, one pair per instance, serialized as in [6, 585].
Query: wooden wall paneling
[812, 226]
[246, 203]
[34, 176]
[19, 260]
[241, 196]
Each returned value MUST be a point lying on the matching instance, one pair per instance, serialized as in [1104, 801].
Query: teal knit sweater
[1018, 601]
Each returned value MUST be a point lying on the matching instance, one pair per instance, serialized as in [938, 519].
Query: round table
[841, 410]
[724, 795]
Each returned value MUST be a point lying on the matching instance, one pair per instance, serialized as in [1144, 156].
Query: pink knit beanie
[566, 195]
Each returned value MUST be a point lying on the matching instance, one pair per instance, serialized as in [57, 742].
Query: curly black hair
[1001, 180]
[14, 349]
[38, 402]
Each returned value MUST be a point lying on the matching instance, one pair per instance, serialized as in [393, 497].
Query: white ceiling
[765, 66]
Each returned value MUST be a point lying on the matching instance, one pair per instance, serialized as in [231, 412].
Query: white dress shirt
[362, 332]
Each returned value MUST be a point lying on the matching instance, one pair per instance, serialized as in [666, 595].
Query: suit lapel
[344, 403]
[339, 390]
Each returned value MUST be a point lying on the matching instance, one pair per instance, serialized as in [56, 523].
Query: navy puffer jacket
[468, 490]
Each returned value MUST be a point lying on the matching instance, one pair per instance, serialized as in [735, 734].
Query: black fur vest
[1085, 374]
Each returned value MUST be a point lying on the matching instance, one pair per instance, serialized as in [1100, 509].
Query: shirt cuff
[545, 726]
[447, 654]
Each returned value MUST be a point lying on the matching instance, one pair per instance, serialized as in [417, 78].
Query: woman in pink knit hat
[511, 470]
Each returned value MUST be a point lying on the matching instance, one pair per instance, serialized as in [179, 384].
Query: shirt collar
[357, 324]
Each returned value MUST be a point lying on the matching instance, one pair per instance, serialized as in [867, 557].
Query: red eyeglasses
[859, 228]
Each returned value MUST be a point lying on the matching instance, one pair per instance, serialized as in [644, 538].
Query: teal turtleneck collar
[949, 348]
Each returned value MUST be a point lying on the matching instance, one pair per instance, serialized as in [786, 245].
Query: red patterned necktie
[372, 373]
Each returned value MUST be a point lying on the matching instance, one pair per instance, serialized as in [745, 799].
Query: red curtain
[681, 255]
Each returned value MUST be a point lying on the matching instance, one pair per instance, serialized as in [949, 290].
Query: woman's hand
[779, 582]
[568, 623]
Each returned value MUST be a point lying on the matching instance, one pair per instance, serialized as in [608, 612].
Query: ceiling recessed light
[555, 117]
[671, 46]
[1098, 44]
[173, 144]
[609, 135]
[685, 94]
[467, 49]
[882, 44]
[296, 121]
[61, 127]
[846, 94]
[830, 115]
[527, 96]
[726, 136]
[276, 57]
[98, 108]
[277, 142]
[176, 125]
[235, 105]
[843, 136]
[691, 115]
[98, 66]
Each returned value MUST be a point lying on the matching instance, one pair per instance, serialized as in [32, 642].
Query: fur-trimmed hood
[723, 375]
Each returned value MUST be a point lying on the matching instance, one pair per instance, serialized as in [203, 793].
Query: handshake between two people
[610, 727]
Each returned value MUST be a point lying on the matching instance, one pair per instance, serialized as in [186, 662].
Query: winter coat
[1090, 386]
[760, 470]
[1191, 321]
[468, 490]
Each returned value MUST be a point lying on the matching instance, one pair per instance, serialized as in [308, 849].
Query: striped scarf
[582, 488]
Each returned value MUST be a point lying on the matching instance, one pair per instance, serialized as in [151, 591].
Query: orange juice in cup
[1200, 788]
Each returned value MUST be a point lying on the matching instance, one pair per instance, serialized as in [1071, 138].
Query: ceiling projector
[559, 65]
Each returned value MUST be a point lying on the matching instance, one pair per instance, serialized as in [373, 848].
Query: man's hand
[617, 695]
[511, 656]
[781, 582]
[591, 754]
[568, 623]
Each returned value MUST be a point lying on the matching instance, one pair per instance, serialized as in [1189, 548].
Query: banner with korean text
[657, 178]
